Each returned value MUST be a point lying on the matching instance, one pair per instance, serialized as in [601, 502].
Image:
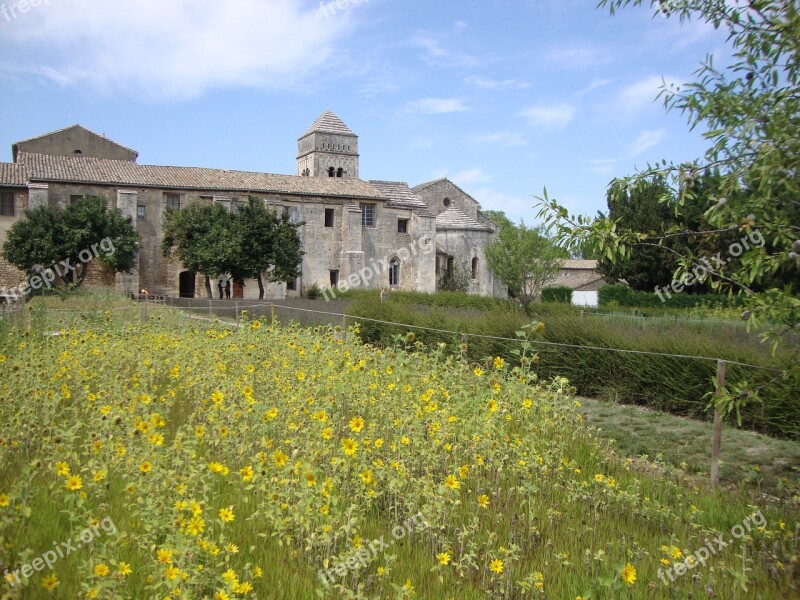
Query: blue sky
[504, 97]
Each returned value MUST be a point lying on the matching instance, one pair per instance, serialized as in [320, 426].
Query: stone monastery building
[371, 234]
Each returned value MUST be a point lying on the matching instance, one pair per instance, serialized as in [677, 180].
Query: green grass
[747, 458]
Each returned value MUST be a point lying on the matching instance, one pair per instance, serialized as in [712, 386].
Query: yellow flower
[4, 500]
[50, 582]
[628, 574]
[247, 473]
[226, 514]
[598, 478]
[99, 476]
[676, 552]
[492, 405]
[196, 526]
[443, 558]
[232, 548]
[452, 482]
[172, 573]
[125, 569]
[257, 572]
[499, 363]
[244, 587]
[478, 372]
[62, 469]
[349, 446]
[409, 588]
[101, 570]
[483, 501]
[326, 433]
[230, 577]
[280, 458]
[146, 467]
[92, 593]
[216, 467]
[356, 424]
[367, 477]
[165, 556]
[221, 595]
[311, 479]
[74, 483]
[496, 566]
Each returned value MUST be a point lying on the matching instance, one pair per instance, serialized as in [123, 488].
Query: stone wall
[76, 140]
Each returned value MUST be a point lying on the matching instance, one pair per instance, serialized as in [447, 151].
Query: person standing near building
[219, 287]
[228, 289]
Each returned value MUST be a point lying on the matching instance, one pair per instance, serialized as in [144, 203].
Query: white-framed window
[367, 215]
[173, 201]
[141, 214]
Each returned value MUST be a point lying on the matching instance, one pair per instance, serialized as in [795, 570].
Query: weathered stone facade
[372, 234]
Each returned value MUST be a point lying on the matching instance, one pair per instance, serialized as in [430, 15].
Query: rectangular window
[140, 213]
[75, 198]
[292, 212]
[7, 207]
[368, 215]
[402, 225]
[173, 201]
[238, 205]
[328, 217]
[291, 285]
[334, 278]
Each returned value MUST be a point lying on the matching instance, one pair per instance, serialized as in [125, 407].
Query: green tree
[269, 243]
[525, 259]
[751, 110]
[498, 217]
[203, 238]
[60, 239]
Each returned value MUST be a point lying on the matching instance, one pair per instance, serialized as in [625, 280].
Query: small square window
[368, 215]
[334, 278]
[402, 225]
[329, 217]
[75, 198]
[7, 207]
[291, 285]
[173, 201]
[140, 213]
[238, 205]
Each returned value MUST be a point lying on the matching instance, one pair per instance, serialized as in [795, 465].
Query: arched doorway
[186, 284]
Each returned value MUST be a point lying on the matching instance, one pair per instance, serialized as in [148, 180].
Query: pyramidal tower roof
[328, 122]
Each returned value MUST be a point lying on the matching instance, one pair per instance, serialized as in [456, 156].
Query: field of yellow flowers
[178, 458]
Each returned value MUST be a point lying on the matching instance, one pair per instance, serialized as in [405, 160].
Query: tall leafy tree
[269, 243]
[524, 259]
[59, 239]
[202, 237]
[751, 110]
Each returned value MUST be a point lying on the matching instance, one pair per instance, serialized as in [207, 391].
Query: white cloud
[554, 116]
[515, 207]
[502, 138]
[646, 140]
[602, 166]
[644, 92]
[436, 54]
[494, 84]
[469, 176]
[180, 48]
[594, 85]
[437, 106]
[577, 57]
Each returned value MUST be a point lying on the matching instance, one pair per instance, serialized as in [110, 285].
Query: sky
[504, 97]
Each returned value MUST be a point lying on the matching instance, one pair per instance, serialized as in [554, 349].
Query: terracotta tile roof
[81, 169]
[13, 175]
[401, 196]
[328, 122]
[453, 218]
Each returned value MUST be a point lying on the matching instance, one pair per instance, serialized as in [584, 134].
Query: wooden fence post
[716, 441]
[463, 346]
[344, 328]
[272, 311]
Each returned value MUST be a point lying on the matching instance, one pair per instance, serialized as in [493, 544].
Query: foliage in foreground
[568, 347]
[235, 462]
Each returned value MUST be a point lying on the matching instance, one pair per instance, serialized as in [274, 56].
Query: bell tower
[328, 149]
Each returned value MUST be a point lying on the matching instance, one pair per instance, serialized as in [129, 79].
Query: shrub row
[622, 295]
[676, 385]
[557, 293]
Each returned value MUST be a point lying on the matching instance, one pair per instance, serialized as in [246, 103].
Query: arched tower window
[331, 172]
[475, 268]
[340, 172]
[394, 271]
